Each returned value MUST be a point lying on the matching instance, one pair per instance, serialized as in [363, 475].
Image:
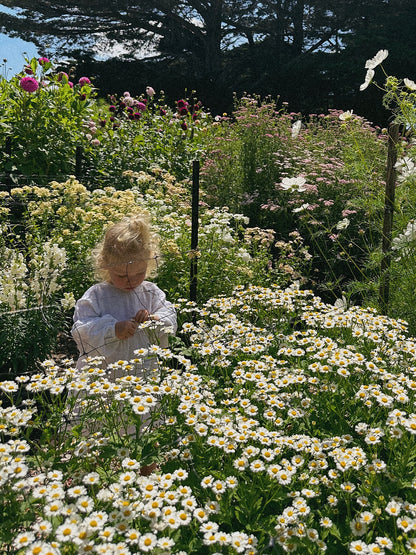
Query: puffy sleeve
[93, 332]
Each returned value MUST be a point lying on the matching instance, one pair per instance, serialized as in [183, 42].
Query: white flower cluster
[13, 284]
[47, 264]
[23, 283]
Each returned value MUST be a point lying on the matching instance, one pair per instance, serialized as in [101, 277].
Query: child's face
[128, 276]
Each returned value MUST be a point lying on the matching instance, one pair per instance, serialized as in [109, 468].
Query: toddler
[107, 317]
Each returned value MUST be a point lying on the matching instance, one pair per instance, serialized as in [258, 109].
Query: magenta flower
[43, 61]
[63, 76]
[84, 81]
[29, 84]
[141, 106]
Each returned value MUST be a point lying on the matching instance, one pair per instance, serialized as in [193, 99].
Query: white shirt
[102, 305]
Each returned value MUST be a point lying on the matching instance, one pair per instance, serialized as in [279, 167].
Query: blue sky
[13, 50]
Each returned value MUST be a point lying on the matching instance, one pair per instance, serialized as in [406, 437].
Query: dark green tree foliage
[309, 53]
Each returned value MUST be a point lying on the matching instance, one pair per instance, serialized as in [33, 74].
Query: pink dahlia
[29, 84]
[84, 81]
[43, 61]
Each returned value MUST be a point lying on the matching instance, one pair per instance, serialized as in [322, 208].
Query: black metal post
[8, 151]
[194, 231]
[78, 161]
[384, 292]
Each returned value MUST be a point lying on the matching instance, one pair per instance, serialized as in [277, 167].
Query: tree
[308, 52]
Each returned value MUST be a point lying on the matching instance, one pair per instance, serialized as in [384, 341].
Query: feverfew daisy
[384, 542]
[326, 522]
[76, 491]
[85, 504]
[23, 540]
[92, 478]
[132, 536]
[165, 544]
[41, 548]
[67, 532]
[358, 546]
[148, 542]
[393, 508]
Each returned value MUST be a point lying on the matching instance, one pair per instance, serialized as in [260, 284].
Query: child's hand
[125, 329]
[141, 316]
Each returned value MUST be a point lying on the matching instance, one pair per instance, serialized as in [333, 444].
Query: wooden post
[194, 231]
[390, 191]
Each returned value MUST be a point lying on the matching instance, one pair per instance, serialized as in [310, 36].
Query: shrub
[44, 123]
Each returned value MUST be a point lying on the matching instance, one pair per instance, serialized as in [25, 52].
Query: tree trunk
[213, 36]
[298, 31]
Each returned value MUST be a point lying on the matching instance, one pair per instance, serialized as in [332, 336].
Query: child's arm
[94, 334]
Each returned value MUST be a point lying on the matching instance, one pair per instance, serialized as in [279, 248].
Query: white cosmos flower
[343, 224]
[296, 128]
[293, 184]
[341, 303]
[368, 78]
[410, 84]
[406, 168]
[301, 208]
[345, 116]
[377, 60]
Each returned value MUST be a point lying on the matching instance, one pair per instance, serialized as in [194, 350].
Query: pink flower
[63, 76]
[43, 61]
[141, 106]
[29, 84]
[84, 81]
[150, 91]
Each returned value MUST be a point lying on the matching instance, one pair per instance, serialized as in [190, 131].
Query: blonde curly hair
[129, 240]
